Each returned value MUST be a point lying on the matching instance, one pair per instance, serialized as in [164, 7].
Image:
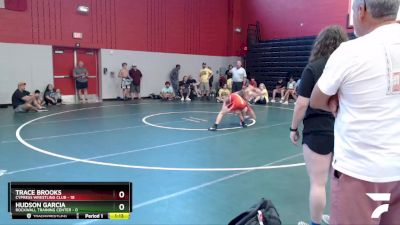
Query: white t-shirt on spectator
[365, 72]
[291, 85]
[238, 75]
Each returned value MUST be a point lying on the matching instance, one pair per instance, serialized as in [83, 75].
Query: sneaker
[302, 223]
[188, 99]
[244, 125]
[286, 103]
[281, 101]
[182, 99]
[213, 128]
[326, 218]
[273, 101]
[42, 110]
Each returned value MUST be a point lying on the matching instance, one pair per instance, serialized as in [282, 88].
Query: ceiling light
[83, 9]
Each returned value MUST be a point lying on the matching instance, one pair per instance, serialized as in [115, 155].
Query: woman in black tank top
[318, 136]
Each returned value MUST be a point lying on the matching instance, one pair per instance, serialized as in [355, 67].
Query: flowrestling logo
[379, 197]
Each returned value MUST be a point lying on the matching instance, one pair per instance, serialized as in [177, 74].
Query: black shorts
[81, 85]
[319, 143]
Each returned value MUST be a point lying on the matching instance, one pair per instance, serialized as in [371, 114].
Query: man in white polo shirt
[361, 84]
[238, 76]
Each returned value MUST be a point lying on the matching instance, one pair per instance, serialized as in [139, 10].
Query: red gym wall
[176, 26]
[282, 18]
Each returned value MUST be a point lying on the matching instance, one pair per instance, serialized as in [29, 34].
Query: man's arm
[210, 74]
[245, 80]
[320, 100]
[27, 98]
[120, 73]
[75, 74]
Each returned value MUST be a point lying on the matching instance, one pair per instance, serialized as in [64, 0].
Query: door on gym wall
[64, 61]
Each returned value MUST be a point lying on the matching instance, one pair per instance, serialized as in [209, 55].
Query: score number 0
[121, 195]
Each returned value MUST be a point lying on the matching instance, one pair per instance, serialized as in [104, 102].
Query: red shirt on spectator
[136, 76]
[253, 83]
[222, 81]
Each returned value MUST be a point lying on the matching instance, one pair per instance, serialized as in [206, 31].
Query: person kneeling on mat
[237, 103]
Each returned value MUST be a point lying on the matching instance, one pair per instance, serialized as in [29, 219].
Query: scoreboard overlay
[70, 200]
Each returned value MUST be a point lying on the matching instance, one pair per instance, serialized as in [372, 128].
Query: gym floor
[181, 173]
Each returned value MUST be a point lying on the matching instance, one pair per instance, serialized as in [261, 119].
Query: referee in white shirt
[238, 76]
[364, 74]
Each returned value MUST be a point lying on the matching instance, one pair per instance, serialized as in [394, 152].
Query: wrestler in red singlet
[236, 103]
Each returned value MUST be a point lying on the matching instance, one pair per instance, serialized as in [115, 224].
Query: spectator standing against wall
[238, 77]
[360, 86]
[228, 72]
[174, 79]
[81, 75]
[205, 75]
[125, 80]
[136, 76]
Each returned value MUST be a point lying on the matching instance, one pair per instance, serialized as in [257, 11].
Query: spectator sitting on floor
[263, 99]
[167, 93]
[279, 88]
[38, 100]
[223, 93]
[184, 89]
[52, 97]
[193, 86]
[253, 82]
[81, 76]
[291, 90]
[22, 101]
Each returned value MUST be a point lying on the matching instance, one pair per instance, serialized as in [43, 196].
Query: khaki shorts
[204, 86]
[20, 109]
[135, 88]
[351, 205]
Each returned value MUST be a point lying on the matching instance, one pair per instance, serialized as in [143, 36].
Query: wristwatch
[294, 130]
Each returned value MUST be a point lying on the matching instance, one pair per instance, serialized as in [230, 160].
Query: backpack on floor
[262, 213]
